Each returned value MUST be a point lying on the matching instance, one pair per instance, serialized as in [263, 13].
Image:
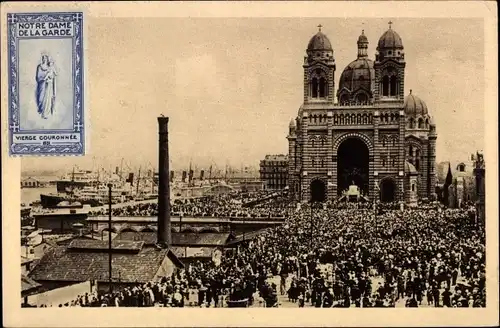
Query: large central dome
[358, 78]
[358, 74]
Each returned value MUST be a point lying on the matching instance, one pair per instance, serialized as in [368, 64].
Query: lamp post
[181, 214]
[109, 239]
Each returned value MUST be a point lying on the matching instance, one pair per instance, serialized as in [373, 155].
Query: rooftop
[178, 239]
[279, 157]
[182, 252]
[85, 260]
[118, 245]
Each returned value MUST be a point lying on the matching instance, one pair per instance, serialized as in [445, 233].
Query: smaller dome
[362, 38]
[319, 42]
[292, 124]
[390, 40]
[414, 105]
[410, 168]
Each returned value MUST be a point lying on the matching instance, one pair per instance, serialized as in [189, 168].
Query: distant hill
[29, 173]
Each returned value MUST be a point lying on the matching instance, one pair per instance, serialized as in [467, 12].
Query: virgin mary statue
[46, 87]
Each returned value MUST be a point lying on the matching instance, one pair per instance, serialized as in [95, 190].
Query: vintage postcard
[46, 90]
[252, 164]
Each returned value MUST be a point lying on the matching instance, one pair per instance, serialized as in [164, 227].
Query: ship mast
[121, 170]
[189, 174]
[72, 186]
[138, 181]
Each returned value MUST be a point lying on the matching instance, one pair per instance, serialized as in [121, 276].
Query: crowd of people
[334, 256]
[225, 205]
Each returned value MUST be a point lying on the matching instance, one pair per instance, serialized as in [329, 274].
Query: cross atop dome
[319, 27]
[390, 24]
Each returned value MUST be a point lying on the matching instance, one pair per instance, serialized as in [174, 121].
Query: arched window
[322, 87]
[365, 119]
[420, 123]
[312, 143]
[461, 167]
[322, 162]
[385, 86]
[412, 123]
[383, 142]
[412, 187]
[314, 87]
[426, 123]
[394, 161]
[342, 119]
[394, 86]
[383, 160]
[322, 142]
[313, 162]
[394, 141]
[410, 151]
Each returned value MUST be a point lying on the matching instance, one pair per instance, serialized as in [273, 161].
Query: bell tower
[389, 67]
[319, 70]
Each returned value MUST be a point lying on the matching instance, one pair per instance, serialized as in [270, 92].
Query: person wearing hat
[272, 296]
[436, 295]
[208, 294]
[328, 298]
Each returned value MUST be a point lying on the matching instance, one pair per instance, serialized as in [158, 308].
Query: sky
[231, 86]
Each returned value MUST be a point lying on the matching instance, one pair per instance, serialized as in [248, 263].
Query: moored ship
[78, 179]
[53, 200]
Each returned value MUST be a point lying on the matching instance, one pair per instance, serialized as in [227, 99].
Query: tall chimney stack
[164, 225]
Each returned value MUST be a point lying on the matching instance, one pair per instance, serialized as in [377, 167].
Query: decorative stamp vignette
[55, 126]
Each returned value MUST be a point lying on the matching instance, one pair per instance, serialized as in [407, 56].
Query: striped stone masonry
[382, 124]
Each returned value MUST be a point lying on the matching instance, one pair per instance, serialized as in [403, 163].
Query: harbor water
[30, 195]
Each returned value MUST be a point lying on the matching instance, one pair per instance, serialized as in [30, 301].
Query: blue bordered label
[46, 89]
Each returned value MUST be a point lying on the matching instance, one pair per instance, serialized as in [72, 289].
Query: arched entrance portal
[318, 191]
[353, 165]
[387, 190]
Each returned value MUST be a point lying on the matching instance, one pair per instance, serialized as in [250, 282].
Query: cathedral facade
[365, 132]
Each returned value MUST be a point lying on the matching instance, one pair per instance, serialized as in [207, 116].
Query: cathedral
[367, 134]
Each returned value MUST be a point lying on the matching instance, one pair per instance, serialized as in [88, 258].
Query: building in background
[30, 182]
[274, 172]
[373, 136]
[462, 187]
